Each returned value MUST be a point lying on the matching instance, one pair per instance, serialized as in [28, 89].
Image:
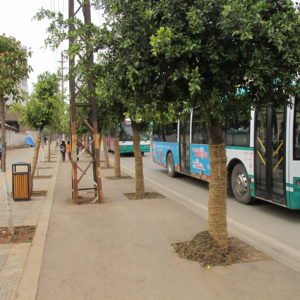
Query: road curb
[278, 251]
[28, 285]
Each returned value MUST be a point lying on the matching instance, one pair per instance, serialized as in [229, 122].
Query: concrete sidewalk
[13, 256]
[122, 250]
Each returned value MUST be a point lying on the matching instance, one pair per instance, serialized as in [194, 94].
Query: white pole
[8, 205]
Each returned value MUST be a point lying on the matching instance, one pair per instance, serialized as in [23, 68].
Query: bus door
[184, 144]
[270, 155]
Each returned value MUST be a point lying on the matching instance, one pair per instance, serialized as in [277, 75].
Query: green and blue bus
[125, 139]
[263, 153]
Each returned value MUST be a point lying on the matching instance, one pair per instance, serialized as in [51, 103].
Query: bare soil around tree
[147, 195]
[43, 177]
[204, 249]
[118, 177]
[23, 234]
[38, 193]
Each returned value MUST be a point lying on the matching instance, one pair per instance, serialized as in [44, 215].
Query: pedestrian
[68, 149]
[77, 151]
[0, 154]
[63, 150]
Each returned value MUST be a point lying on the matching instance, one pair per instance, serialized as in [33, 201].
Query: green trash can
[21, 181]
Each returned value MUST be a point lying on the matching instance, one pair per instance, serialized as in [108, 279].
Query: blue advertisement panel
[199, 161]
[160, 150]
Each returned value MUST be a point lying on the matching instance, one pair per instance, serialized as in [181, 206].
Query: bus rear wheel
[171, 166]
[240, 185]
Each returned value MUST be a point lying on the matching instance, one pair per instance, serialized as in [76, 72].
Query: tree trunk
[35, 159]
[100, 144]
[117, 165]
[49, 148]
[3, 133]
[106, 158]
[3, 166]
[139, 175]
[217, 213]
[43, 152]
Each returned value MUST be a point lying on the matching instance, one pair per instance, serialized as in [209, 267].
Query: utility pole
[91, 105]
[61, 75]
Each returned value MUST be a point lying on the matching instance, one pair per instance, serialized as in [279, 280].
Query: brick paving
[13, 256]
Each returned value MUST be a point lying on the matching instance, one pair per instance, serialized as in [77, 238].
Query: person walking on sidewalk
[68, 149]
[63, 150]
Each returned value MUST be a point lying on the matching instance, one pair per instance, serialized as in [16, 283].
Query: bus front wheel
[171, 165]
[240, 184]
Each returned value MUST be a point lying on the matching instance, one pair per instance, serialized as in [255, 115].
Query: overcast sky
[16, 20]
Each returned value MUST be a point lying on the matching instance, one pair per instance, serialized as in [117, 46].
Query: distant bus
[263, 153]
[125, 139]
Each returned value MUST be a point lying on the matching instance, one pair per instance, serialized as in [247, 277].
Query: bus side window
[199, 131]
[237, 132]
[156, 132]
[297, 129]
[165, 133]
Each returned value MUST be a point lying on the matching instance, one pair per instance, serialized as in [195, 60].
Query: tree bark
[3, 133]
[49, 148]
[217, 211]
[117, 164]
[3, 166]
[43, 151]
[35, 159]
[106, 158]
[100, 141]
[139, 175]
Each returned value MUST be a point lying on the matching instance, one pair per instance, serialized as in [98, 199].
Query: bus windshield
[125, 132]
[297, 129]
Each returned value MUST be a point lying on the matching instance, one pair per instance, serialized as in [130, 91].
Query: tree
[132, 68]
[81, 36]
[13, 68]
[61, 124]
[209, 49]
[111, 111]
[40, 111]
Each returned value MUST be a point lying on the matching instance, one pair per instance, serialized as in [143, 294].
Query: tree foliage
[40, 111]
[85, 36]
[131, 68]
[229, 51]
[13, 66]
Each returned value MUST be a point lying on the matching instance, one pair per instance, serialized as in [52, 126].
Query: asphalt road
[270, 228]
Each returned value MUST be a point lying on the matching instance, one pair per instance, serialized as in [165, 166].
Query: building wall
[16, 139]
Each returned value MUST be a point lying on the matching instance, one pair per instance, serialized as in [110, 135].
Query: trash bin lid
[21, 164]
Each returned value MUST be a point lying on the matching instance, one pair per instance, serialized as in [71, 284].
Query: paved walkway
[13, 256]
[122, 250]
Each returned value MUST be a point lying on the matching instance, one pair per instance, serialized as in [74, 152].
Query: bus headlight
[297, 182]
